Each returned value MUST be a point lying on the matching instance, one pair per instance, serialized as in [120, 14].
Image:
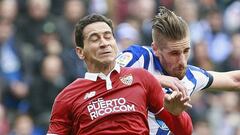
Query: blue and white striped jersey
[195, 79]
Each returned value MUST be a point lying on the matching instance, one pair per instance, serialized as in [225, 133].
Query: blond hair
[168, 26]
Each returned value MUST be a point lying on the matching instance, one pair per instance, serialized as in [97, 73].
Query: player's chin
[107, 60]
[180, 74]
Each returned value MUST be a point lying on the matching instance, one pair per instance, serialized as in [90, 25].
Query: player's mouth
[180, 68]
[105, 53]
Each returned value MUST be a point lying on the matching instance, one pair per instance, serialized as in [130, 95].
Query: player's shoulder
[197, 70]
[70, 90]
[193, 67]
[137, 71]
[136, 48]
[132, 54]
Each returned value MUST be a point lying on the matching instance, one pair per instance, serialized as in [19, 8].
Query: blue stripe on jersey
[205, 73]
[191, 78]
[162, 132]
[157, 64]
[163, 129]
[198, 69]
[137, 52]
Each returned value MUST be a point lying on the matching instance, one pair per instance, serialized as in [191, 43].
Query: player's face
[174, 57]
[99, 44]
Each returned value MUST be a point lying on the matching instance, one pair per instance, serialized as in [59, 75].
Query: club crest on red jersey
[127, 79]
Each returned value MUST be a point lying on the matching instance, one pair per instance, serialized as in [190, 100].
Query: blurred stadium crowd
[37, 57]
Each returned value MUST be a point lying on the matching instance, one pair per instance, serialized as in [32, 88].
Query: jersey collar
[94, 76]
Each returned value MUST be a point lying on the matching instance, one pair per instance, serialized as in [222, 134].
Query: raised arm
[174, 116]
[226, 80]
[172, 82]
[169, 108]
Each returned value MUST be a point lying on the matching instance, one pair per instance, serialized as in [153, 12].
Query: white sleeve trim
[159, 111]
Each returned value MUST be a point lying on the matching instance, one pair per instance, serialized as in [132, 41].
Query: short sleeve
[61, 119]
[202, 77]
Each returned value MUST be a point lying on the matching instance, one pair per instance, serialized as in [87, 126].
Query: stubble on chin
[181, 75]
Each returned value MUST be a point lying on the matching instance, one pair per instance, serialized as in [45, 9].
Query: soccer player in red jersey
[110, 99]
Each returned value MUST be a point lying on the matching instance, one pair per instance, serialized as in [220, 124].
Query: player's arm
[172, 82]
[178, 121]
[178, 125]
[226, 80]
[174, 116]
[60, 120]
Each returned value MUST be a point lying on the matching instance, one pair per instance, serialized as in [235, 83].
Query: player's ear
[80, 52]
[155, 48]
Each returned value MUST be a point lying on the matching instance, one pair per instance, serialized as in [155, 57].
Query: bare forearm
[235, 75]
[226, 80]
[171, 82]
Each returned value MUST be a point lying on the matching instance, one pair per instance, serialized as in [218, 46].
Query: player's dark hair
[167, 25]
[82, 23]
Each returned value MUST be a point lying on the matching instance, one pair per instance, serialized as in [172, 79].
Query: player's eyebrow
[96, 33]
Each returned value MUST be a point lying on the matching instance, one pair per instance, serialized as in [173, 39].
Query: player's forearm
[178, 125]
[235, 75]
[226, 80]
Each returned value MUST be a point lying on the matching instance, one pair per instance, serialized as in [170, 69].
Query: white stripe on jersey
[138, 63]
[189, 85]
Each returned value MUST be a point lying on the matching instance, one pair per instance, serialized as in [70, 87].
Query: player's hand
[172, 82]
[175, 103]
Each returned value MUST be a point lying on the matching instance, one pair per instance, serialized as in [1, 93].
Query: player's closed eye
[108, 35]
[175, 53]
[94, 38]
[186, 51]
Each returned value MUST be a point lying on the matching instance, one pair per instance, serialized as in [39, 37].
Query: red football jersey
[88, 107]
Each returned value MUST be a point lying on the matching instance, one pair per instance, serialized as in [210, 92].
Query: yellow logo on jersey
[124, 58]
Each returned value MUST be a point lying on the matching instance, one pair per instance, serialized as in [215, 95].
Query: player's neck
[101, 68]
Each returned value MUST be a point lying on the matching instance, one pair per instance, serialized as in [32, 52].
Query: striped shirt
[195, 79]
